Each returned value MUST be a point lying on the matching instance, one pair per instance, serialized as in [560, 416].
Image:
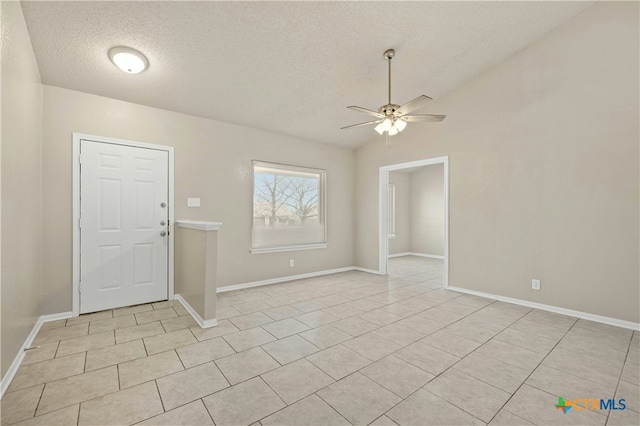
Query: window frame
[322, 206]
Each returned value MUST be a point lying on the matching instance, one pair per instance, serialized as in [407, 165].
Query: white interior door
[124, 213]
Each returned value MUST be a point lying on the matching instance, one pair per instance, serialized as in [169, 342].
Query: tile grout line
[301, 399]
[445, 370]
[223, 375]
[275, 393]
[450, 367]
[87, 400]
[145, 345]
[327, 402]
[35, 411]
[615, 392]
[581, 377]
[179, 359]
[533, 371]
[207, 409]
[75, 375]
[57, 349]
[164, 410]
[118, 373]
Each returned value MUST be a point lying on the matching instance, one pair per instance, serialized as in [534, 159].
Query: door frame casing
[383, 244]
[77, 137]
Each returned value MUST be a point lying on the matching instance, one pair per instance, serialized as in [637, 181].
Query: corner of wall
[21, 216]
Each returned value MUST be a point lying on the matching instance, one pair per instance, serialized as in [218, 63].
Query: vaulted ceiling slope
[288, 67]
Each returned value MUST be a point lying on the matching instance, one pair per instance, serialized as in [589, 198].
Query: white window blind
[289, 211]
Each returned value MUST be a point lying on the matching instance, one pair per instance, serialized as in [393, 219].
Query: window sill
[288, 248]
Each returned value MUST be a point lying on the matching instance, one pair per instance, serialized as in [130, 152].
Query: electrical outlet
[193, 202]
[291, 263]
[535, 284]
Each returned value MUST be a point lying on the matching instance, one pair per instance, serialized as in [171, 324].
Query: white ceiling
[288, 67]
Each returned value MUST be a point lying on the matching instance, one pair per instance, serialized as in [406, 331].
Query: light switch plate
[193, 202]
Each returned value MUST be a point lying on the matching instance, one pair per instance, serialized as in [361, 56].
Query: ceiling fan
[391, 118]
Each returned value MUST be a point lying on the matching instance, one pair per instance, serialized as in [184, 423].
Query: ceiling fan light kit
[384, 126]
[391, 119]
[400, 124]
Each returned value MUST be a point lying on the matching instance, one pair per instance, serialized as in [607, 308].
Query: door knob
[163, 205]
[163, 233]
[163, 223]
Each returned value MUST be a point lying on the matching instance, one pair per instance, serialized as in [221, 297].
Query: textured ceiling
[288, 67]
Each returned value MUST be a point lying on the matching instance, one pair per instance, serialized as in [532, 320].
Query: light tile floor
[349, 348]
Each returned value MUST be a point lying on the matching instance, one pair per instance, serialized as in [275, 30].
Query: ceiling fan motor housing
[388, 109]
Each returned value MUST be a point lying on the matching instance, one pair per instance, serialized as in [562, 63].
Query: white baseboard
[201, 322]
[410, 253]
[56, 317]
[370, 271]
[431, 256]
[550, 308]
[17, 361]
[284, 279]
[399, 255]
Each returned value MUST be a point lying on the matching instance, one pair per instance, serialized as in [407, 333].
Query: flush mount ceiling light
[391, 119]
[128, 60]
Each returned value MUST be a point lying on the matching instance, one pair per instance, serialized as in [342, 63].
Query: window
[288, 208]
[392, 210]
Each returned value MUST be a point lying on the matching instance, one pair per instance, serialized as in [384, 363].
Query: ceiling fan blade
[413, 104]
[422, 117]
[366, 111]
[362, 124]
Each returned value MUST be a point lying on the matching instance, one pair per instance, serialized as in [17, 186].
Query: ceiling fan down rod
[388, 55]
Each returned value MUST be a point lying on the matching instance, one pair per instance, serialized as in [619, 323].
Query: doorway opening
[393, 192]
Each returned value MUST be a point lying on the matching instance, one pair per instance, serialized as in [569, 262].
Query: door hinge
[80, 287]
[80, 158]
[79, 222]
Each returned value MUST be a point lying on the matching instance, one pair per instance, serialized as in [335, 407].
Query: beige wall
[21, 184]
[191, 266]
[213, 162]
[402, 242]
[196, 265]
[427, 210]
[543, 168]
